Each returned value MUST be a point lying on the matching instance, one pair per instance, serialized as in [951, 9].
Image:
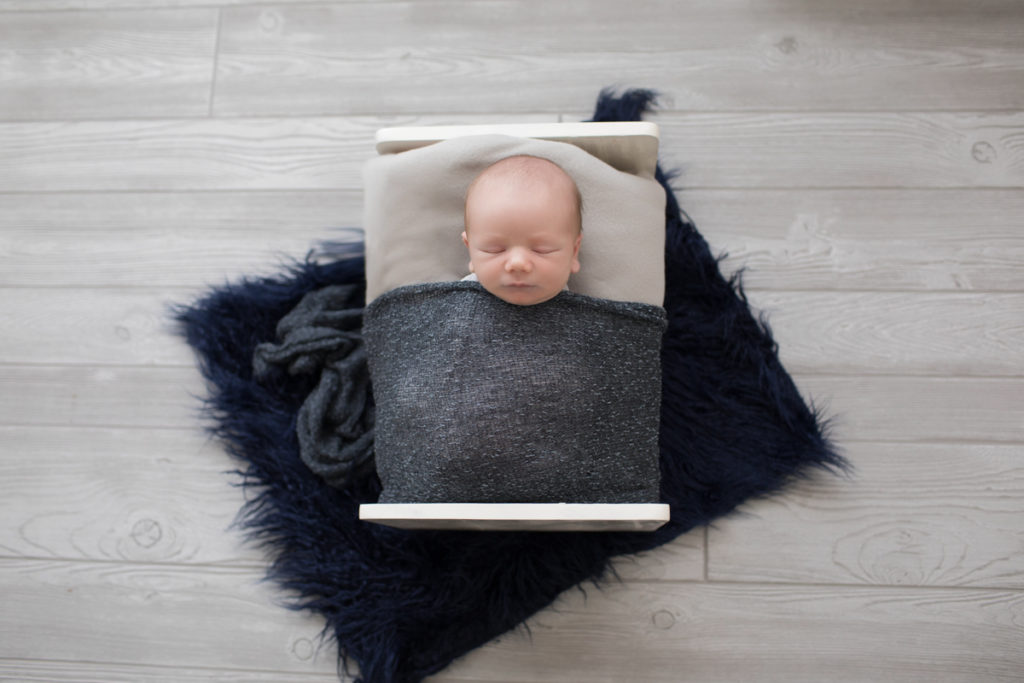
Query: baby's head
[523, 229]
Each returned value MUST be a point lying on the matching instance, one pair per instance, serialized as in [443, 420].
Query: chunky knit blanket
[482, 401]
[403, 604]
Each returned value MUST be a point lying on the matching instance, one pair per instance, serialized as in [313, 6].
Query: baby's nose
[517, 260]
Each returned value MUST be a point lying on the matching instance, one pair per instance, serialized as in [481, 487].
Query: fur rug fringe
[401, 604]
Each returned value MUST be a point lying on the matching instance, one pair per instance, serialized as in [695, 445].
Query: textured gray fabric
[479, 400]
[322, 337]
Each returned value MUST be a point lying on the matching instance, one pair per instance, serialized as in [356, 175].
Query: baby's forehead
[523, 183]
[524, 171]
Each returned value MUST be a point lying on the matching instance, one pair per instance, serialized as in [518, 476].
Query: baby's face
[523, 242]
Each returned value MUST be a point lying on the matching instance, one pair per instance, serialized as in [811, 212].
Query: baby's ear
[576, 254]
[465, 240]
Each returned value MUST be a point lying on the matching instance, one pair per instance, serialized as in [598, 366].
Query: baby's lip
[521, 285]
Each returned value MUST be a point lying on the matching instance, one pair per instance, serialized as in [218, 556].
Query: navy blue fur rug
[403, 604]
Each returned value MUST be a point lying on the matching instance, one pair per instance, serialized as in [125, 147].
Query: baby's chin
[522, 296]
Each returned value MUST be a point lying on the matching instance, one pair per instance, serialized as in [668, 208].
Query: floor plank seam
[600, 584]
[216, 60]
[173, 667]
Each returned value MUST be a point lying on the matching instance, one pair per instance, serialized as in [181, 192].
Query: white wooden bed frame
[631, 147]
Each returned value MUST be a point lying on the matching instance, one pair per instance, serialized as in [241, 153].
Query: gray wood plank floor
[862, 160]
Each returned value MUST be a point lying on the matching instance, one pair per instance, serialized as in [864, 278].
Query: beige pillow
[414, 217]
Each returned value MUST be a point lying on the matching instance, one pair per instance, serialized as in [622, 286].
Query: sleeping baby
[479, 401]
[523, 218]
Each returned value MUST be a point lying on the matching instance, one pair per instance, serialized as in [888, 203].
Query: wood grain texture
[48, 671]
[907, 150]
[155, 615]
[721, 631]
[429, 56]
[879, 150]
[894, 408]
[165, 239]
[112, 326]
[866, 408]
[201, 155]
[123, 396]
[104, 64]
[900, 521]
[877, 239]
[167, 497]
[744, 632]
[863, 160]
[896, 332]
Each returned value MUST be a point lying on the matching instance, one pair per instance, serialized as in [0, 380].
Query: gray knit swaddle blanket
[322, 339]
[479, 400]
